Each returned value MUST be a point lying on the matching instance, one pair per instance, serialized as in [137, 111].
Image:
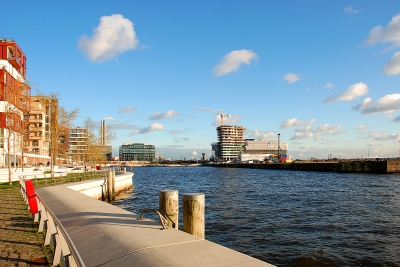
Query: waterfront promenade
[104, 235]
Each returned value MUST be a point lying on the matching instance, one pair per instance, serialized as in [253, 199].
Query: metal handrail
[75, 254]
[63, 233]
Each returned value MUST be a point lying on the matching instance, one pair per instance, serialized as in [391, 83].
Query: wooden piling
[193, 214]
[168, 205]
[110, 186]
[113, 186]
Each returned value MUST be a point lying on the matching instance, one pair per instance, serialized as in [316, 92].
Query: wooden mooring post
[193, 214]
[169, 207]
[110, 186]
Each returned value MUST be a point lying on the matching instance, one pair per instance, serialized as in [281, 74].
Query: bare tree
[60, 120]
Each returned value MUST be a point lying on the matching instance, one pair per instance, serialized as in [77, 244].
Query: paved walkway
[20, 244]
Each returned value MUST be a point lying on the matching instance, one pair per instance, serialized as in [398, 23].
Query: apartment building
[77, 145]
[14, 101]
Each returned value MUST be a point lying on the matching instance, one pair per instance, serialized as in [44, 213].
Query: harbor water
[286, 218]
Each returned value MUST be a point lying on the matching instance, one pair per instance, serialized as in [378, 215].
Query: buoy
[30, 193]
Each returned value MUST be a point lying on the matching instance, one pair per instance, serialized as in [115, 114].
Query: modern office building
[14, 101]
[137, 151]
[230, 142]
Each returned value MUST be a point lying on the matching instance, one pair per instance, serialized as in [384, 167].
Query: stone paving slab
[20, 244]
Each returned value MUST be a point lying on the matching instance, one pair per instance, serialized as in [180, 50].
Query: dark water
[287, 218]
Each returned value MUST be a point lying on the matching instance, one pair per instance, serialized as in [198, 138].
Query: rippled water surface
[287, 218]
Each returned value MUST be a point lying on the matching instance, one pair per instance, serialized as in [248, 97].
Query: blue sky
[323, 74]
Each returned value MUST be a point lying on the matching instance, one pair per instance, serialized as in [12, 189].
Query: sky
[325, 75]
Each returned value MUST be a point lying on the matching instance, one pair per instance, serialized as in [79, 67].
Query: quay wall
[96, 188]
[387, 166]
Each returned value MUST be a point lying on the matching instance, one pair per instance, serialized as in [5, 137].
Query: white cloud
[166, 115]
[393, 66]
[388, 137]
[330, 130]
[303, 129]
[353, 92]
[227, 121]
[261, 135]
[329, 85]
[152, 128]
[291, 77]
[360, 127]
[301, 136]
[185, 139]
[232, 61]
[350, 10]
[175, 132]
[390, 34]
[387, 104]
[295, 122]
[128, 109]
[114, 36]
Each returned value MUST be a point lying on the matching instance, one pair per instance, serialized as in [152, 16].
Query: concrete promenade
[20, 244]
[105, 235]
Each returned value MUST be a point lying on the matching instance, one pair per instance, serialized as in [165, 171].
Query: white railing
[64, 250]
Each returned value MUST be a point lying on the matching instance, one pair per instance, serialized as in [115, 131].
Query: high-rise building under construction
[230, 142]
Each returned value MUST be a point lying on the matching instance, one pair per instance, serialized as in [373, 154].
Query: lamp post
[279, 146]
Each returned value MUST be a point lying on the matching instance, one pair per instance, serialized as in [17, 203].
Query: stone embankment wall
[387, 166]
[97, 188]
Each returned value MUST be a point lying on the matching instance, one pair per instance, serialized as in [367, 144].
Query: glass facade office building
[137, 151]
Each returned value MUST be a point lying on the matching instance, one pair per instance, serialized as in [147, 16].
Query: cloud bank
[232, 61]
[114, 36]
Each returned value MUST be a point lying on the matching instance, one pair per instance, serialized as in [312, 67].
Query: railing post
[168, 206]
[193, 214]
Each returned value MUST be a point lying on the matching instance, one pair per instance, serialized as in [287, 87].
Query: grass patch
[14, 185]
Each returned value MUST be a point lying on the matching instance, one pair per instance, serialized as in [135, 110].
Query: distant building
[254, 157]
[230, 142]
[137, 151]
[78, 138]
[263, 148]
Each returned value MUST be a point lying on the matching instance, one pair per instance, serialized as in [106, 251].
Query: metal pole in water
[193, 214]
[169, 207]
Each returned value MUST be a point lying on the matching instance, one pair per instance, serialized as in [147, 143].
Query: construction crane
[221, 114]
